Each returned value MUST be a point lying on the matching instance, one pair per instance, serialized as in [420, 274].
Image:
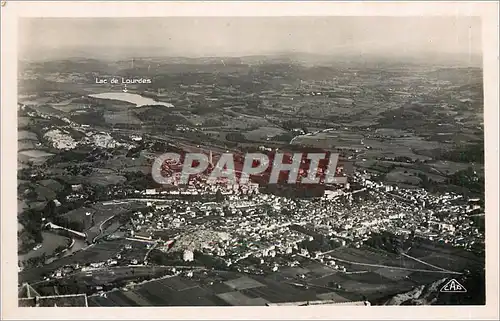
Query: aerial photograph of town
[399, 101]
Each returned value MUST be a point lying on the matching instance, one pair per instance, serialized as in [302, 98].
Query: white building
[188, 256]
[150, 191]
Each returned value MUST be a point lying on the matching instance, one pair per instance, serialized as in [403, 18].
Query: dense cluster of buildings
[264, 226]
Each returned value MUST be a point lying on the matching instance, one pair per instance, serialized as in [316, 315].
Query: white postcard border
[14, 9]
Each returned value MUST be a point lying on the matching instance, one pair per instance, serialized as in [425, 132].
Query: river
[50, 242]
[77, 246]
[138, 100]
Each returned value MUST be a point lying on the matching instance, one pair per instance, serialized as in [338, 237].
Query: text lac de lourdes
[123, 80]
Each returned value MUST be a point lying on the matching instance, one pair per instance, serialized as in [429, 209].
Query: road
[384, 266]
[57, 227]
[149, 251]
[394, 267]
[428, 264]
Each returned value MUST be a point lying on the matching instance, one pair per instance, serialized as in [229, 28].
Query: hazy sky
[191, 36]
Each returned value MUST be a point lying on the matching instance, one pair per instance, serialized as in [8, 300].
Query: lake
[138, 100]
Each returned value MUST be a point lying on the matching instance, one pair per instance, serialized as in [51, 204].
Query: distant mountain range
[345, 57]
